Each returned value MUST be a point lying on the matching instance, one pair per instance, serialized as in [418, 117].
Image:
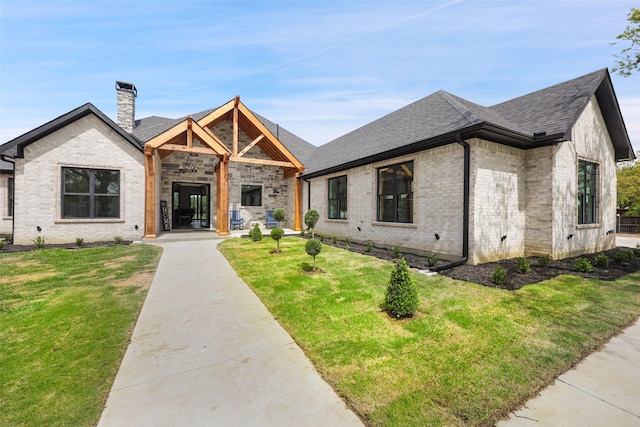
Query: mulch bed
[482, 273]
[25, 248]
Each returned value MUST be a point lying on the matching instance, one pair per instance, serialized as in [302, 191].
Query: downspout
[13, 199]
[465, 209]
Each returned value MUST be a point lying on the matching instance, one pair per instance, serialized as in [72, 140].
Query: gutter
[465, 213]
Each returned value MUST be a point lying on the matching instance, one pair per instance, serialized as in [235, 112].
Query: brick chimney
[127, 93]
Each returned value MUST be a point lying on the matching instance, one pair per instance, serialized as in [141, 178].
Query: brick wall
[6, 222]
[88, 142]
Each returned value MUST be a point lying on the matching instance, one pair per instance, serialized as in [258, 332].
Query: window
[90, 193]
[251, 195]
[395, 193]
[10, 198]
[338, 197]
[587, 192]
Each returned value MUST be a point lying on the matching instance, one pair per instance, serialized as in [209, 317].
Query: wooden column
[223, 197]
[218, 214]
[150, 194]
[297, 204]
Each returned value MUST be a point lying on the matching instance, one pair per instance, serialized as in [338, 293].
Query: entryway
[190, 205]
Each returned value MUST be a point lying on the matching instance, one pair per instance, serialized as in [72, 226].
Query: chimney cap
[130, 87]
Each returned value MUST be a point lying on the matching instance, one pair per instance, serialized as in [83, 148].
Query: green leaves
[629, 59]
[401, 299]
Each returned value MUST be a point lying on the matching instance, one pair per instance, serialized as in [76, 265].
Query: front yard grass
[469, 356]
[65, 320]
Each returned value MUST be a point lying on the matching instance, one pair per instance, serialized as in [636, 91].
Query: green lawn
[469, 356]
[65, 320]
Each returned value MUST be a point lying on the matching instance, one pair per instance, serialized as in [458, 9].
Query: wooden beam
[150, 196]
[234, 151]
[216, 114]
[189, 132]
[290, 173]
[297, 203]
[161, 139]
[185, 149]
[248, 147]
[262, 162]
[208, 138]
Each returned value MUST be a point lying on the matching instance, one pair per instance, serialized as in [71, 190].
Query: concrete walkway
[205, 351]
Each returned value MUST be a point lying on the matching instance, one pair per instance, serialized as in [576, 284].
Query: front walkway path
[205, 351]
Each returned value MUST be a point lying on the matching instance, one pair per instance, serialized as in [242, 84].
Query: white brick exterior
[522, 202]
[6, 221]
[87, 142]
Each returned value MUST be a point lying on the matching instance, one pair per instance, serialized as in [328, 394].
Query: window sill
[7, 218]
[89, 221]
[588, 226]
[337, 220]
[395, 224]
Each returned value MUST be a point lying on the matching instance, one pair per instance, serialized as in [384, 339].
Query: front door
[190, 205]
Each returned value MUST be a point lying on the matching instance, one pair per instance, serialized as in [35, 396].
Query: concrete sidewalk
[205, 351]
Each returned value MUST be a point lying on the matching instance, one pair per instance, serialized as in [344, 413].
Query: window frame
[587, 192]
[395, 195]
[11, 189]
[341, 203]
[242, 197]
[92, 194]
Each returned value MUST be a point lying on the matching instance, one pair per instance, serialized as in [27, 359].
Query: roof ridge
[460, 108]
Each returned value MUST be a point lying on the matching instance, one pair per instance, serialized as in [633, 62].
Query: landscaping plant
[79, 241]
[601, 261]
[401, 299]
[313, 248]
[368, 246]
[499, 276]
[620, 257]
[432, 259]
[39, 241]
[523, 265]
[117, 240]
[310, 219]
[543, 260]
[395, 251]
[255, 233]
[276, 234]
[582, 265]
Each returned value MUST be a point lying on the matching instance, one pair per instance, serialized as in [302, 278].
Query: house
[533, 175]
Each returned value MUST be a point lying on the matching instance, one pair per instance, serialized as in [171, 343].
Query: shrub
[347, 242]
[620, 257]
[334, 239]
[39, 241]
[523, 265]
[79, 241]
[255, 233]
[432, 259]
[396, 252]
[276, 234]
[636, 250]
[313, 248]
[117, 240]
[368, 246]
[401, 298]
[601, 261]
[279, 215]
[499, 276]
[9, 238]
[543, 260]
[310, 219]
[1, 244]
[302, 233]
[582, 265]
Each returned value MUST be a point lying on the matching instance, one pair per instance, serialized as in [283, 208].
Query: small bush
[276, 234]
[601, 261]
[334, 239]
[39, 241]
[620, 257]
[499, 276]
[302, 232]
[543, 260]
[582, 265]
[368, 246]
[117, 240]
[347, 242]
[313, 248]
[523, 265]
[255, 233]
[396, 252]
[401, 298]
[79, 241]
[636, 250]
[310, 219]
[9, 238]
[432, 259]
[1, 244]
[279, 215]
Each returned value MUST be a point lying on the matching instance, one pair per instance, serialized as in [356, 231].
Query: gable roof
[15, 147]
[540, 118]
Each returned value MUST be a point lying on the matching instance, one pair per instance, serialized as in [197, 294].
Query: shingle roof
[15, 147]
[532, 120]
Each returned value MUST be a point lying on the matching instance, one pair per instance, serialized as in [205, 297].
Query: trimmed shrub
[334, 239]
[543, 260]
[401, 299]
[79, 241]
[620, 257]
[313, 248]
[432, 259]
[601, 261]
[582, 265]
[276, 234]
[499, 276]
[523, 265]
[636, 250]
[395, 251]
[279, 215]
[310, 219]
[368, 246]
[255, 233]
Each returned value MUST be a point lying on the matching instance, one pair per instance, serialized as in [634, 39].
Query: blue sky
[318, 68]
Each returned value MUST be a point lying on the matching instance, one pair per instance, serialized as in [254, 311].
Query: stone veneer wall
[89, 143]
